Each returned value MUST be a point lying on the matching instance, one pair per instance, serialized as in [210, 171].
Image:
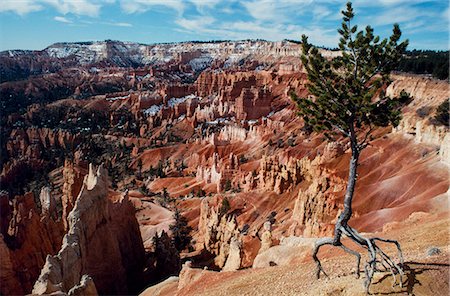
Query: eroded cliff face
[316, 206]
[102, 242]
[28, 235]
[72, 184]
[278, 177]
[417, 121]
[218, 234]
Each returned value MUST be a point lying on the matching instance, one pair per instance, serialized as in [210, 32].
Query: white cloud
[199, 24]
[62, 19]
[20, 7]
[276, 10]
[201, 4]
[78, 7]
[320, 12]
[139, 6]
[122, 24]
[446, 14]
[411, 19]
[212, 28]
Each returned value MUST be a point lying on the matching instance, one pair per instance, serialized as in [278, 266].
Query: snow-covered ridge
[202, 53]
[198, 55]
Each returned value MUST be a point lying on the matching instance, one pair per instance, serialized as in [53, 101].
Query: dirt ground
[424, 274]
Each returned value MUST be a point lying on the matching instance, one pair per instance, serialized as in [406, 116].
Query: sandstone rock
[289, 250]
[71, 187]
[48, 203]
[253, 103]
[234, 257]
[103, 242]
[444, 151]
[216, 232]
[8, 279]
[316, 206]
[189, 275]
[162, 288]
[278, 176]
[85, 288]
[266, 237]
[25, 243]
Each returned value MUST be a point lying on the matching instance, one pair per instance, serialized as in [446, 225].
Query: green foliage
[442, 113]
[165, 198]
[344, 87]
[225, 206]
[66, 117]
[201, 192]
[227, 186]
[160, 170]
[139, 165]
[242, 159]
[181, 237]
[435, 63]
[144, 190]
[291, 142]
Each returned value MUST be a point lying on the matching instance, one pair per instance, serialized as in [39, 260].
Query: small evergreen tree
[180, 231]
[348, 100]
[442, 113]
[225, 206]
[165, 198]
[227, 186]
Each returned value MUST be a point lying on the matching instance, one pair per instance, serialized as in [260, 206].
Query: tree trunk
[345, 216]
[376, 254]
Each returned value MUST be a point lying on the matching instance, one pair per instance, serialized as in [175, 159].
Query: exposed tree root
[378, 259]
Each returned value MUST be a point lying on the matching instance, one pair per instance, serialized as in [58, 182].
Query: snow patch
[175, 101]
[153, 110]
[116, 98]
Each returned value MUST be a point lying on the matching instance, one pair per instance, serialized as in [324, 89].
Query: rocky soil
[425, 273]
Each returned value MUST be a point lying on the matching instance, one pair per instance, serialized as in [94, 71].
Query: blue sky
[35, 24]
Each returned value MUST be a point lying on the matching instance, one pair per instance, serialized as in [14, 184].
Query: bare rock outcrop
[217, 231]
[10, 285]
[289, 250]
[316, 206]
[234, 255]
[189, 275]
[253, 103]
[73, 181]
[103, 242]
[27, 238]
[274, 175]
[266, 237]
[48, 203]
[85, 288]
[426, 93]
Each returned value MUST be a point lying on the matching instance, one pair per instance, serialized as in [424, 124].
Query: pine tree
[180, 231]
[348, 100]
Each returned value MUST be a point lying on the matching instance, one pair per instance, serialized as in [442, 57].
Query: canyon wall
[102, 242]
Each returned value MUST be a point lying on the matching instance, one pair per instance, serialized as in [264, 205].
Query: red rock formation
[72, 183]
[28, 240]
[217, 230]
[277, 176]
[103, 241]
[253, 103]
